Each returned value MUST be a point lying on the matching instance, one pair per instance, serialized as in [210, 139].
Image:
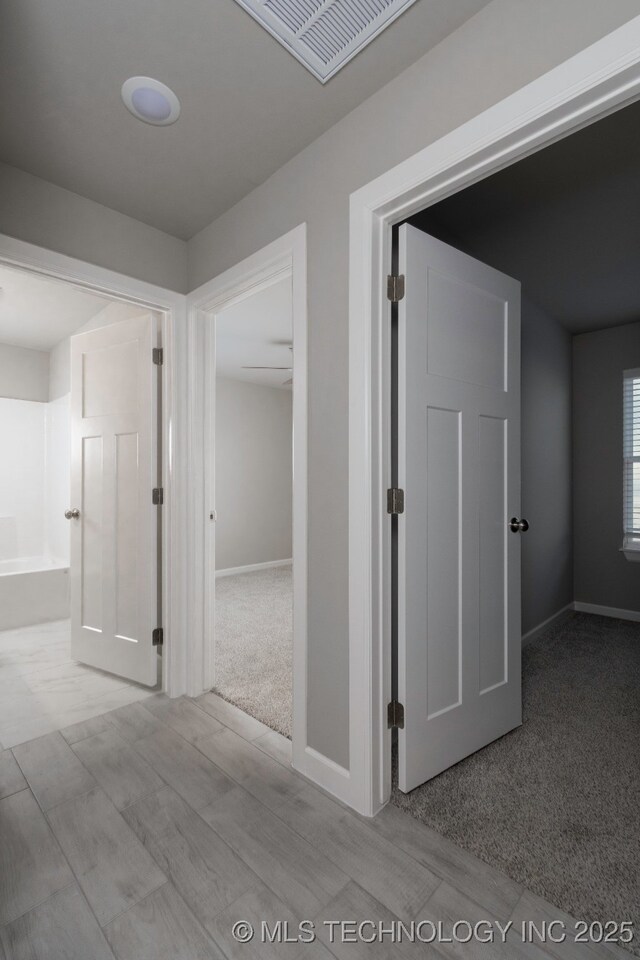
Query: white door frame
[285, 256]
[589, 85]
[171, 307]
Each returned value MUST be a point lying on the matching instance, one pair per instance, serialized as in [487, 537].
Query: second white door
[459, 465]
[114, 523]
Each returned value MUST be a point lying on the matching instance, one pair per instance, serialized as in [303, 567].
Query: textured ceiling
[247, 105]
[565, 222]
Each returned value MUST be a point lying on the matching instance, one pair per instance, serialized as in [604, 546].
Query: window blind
[631, 446]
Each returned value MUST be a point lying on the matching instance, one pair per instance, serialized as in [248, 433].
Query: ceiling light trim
[136, 86]
[324, 35]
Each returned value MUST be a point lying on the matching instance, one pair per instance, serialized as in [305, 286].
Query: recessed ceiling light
[151, 101]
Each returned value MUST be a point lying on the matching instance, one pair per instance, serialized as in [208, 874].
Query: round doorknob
[72, 514]
[518, 526]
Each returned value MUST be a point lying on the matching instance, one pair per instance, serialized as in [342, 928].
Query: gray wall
[547, 548]
[39, 212]
[506, 45]
[24, 374]
[253, 474]
[601, 573]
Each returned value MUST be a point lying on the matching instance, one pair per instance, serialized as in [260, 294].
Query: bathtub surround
[34, 479]
[33, 590]
[57, 478]
[22, 442]
[24, 373]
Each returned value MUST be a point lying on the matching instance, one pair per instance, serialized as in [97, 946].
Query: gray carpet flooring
[556, 803]
[254, 644]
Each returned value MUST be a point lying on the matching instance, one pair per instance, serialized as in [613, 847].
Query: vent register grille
[324, 34]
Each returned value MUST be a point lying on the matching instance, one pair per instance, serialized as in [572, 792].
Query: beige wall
[39, 212]
[253, 474]
[24, 374]
[506, 45]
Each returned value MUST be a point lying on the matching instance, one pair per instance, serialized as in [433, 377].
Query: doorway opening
[535, 801]
[247, 333]
[251, 512]
[55, 561]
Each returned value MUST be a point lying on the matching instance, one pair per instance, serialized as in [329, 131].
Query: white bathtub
[33, 590]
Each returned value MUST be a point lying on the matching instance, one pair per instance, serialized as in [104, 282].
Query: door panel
[458, 463]
[442, 597]
[114, 467]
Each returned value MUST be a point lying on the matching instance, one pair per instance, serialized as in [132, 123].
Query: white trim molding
[172, 309]
[554, 619]
[286, 256]
[600, 611]
[253, 567]
[595, 82]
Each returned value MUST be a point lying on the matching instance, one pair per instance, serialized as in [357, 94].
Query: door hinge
[395, 500]
[157, 355]
[157, 496]
[395, 715]
[157, 637]
[395, 288]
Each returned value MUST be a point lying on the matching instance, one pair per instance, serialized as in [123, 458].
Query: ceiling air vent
[325, 34]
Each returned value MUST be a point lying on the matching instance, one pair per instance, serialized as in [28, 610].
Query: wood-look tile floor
[42, 689]
[145, 833]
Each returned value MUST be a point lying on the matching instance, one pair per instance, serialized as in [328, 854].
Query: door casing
[171, 308]
[285, 256]
[599, 80]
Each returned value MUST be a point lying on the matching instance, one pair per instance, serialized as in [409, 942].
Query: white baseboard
[250, 567]
[535, 633]
[616, 612]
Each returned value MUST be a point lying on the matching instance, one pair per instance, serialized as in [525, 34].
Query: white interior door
[114, 467]
[459, 465]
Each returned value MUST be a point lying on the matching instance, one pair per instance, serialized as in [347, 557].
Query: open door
[114, 523]
[459, 465]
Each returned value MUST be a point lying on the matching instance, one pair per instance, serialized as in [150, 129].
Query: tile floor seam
[25, 913]
[257, 880]
[248, 865]
[76, 879]
[450, 882]
[169, 882]
[217, 766]
[122, 913]
[6, 923]
[73, 872]
[99, 785]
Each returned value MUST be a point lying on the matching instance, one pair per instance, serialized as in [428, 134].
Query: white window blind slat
[631, 453]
